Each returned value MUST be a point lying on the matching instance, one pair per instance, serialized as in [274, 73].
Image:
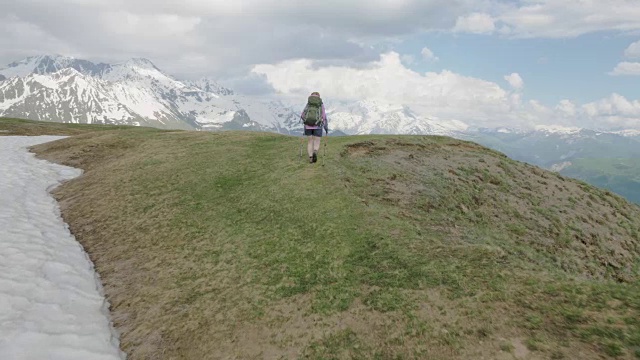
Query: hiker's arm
[304, 112]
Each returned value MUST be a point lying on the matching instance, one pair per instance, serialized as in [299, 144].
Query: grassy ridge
[22, 127]
[603, 160]
[227, 245]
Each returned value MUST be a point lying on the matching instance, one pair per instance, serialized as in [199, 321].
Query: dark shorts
[313, 132]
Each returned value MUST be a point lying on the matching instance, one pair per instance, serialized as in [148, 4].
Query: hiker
[314, 118]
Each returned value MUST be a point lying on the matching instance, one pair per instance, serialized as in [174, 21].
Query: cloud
[475, 23]
[633, 51]
[445, 95]
[230, 34]
[386, 79]
[428, 55]
[252, 84]
[616, 111]
[515, 81]
[408, 59]
[33, 39]
[332, 44]
[234, 35]
[568, 18]
[616, 105]
[567, 108]
[626, 68]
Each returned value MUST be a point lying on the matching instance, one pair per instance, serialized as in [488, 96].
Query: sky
[51, 303]
[492, 62]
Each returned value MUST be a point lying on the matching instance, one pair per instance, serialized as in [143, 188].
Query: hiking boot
[315, 157]
[310, 160]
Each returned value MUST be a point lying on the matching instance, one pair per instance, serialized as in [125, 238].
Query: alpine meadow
[229, 245]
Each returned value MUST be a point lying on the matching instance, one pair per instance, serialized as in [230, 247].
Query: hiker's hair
[315, 93]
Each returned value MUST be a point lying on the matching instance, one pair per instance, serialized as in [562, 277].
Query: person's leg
[316, 143]
[310, 146]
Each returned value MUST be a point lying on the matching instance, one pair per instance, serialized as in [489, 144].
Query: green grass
[11, 126]
[228, 245]
[343, 343]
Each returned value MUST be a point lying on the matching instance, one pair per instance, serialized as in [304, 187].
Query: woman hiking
[314, 118]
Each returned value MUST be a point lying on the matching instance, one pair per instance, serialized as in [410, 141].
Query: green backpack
[313, 117]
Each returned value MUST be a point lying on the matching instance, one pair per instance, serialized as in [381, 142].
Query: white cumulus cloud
[388, 80]
[569, 18]
[633, 51]
[515, 81]
[335, 45]
[445, 95]
[408, 59]
[477, 23]
[616, 111]
[567, 108]
[626, 68]
[232, 36]
[427, 54]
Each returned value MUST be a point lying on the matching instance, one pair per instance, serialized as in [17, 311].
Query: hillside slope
[227, 245]
[604, 159]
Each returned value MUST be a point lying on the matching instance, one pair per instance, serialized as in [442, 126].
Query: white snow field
[51, 301]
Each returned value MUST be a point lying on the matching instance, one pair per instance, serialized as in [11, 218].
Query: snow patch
[21, 68]
[560, 166]
[629, 132]
[558, 129]
[213, 119]
[51, 300]
[46, 81]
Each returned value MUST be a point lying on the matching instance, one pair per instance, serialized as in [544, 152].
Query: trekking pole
[325, 149]
[301, 139]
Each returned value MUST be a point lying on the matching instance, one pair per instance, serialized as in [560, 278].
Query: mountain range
[136, 92]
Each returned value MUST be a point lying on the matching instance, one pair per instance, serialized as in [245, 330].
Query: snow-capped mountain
[210, 86]
[47, 64]
[628, 133]
[136, 92]
[547, 148]
[373, 117]
[59, 88]
[65, 95]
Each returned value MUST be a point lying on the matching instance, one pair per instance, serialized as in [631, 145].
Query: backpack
[313, 116]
